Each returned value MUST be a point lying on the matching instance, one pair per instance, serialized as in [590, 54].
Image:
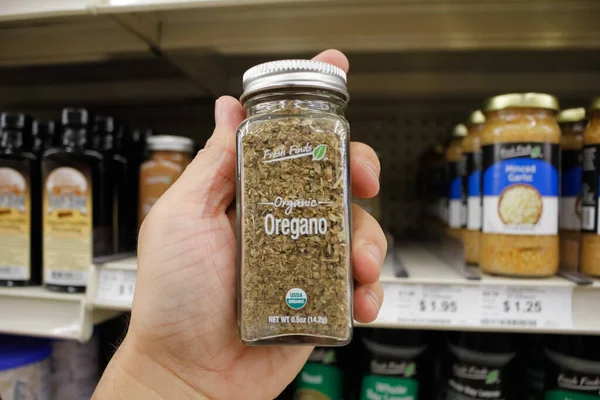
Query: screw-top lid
[15, 120]
[459, 131]
[170, 143]
[75, 117]
[294, 73]
[522, 100]
[103, 123]
[571, 115]
[44, 128]
[476, 118]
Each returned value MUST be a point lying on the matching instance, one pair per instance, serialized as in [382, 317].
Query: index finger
[334, 57]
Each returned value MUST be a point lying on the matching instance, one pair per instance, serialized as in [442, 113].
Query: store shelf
[35, 311]
[461, 304]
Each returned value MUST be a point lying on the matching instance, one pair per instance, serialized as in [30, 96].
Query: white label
[430, 305]
[588, 214]
[474, 213]
[533, 307]
[520, 214]
[455, 214]
[14, 272]
[116, 287]
[570, 210]
[65, 278]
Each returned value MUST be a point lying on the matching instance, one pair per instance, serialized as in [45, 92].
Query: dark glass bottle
[45, 135]
[136, 156]
[20, 217]
[76, 211]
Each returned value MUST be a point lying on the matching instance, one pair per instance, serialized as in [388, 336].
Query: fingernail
[218, 112]
[373, 297]
[375, 253]
[373, 169]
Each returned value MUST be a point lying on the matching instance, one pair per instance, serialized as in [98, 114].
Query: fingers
[369, 246]
[334, 57]
[364, 170]
[367, 301]
[209, 181]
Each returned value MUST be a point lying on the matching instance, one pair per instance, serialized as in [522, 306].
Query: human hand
[183, 340]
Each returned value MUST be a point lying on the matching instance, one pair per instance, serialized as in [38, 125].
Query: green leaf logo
[329, 357]
[536, 152]
[319, 152]
[410, 370]
[492, 377]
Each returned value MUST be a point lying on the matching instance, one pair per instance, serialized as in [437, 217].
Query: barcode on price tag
[116, 287]
[522, 306]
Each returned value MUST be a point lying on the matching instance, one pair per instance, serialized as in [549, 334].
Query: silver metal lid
[294, 73]
[170, 143]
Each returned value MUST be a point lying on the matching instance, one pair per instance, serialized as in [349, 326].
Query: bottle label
[563, 383]
[457, 212]
[15, 221]
[156, 177]
[473, 191]
[566, 395]
[589, 190]
[570, 190]
[520, 188]
[471, 381]
[319, 382]
[68, 221]
[388, 387]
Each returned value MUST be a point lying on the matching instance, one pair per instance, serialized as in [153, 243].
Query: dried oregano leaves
[296, 229]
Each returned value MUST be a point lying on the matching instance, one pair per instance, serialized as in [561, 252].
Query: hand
[183, 340]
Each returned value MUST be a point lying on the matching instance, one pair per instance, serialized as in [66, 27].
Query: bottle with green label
[320, 378]
[481, 366]
[398, 365]
[573, 368]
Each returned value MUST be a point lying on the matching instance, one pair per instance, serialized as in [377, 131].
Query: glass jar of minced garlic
[520, 150]
[471, 146]
[572, 124]
[590, 225]
[456, 173]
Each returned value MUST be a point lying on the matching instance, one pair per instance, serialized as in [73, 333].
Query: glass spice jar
[293, 206]
[572, 124]
[520, 149]
[456, 169]
[471, 146]
[590, 228]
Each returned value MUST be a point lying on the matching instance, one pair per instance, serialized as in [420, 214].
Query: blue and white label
[569, 217]
[296, 298]
[473, 180]
[520, 188]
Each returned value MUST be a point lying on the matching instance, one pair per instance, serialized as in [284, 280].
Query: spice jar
[520, 149]
[471, 146]
[168, 158]
[590, 227]
[456, 170]
[572, 124]
[295, 281]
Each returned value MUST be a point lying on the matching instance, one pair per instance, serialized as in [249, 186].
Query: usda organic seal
[296, 298]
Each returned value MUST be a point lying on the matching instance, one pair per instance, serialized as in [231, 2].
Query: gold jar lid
[571, 115]
[459, 131]
[595, 106]
[476, 118]
[522, 100]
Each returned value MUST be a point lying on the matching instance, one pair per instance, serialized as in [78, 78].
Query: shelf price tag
[430, 304]
[116, 287]
[523, 306]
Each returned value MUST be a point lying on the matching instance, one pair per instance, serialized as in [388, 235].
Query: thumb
[209, 181]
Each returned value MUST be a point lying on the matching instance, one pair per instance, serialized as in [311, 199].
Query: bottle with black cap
[75, 217]
[44, 135]
[20, 218]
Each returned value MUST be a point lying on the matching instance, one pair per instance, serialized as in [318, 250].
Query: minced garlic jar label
[520, 188]
[15, 221]
[589, 192]
[456, 204]
[570, 190]
[67, 215]
[473, 191]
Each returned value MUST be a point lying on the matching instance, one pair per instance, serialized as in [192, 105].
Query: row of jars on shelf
[518, 183]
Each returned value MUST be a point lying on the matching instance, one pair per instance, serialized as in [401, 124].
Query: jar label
[15, 221]
[67, 221]
[388, 387]
[319, 382]
[569, 217]
[473, 190]
[589, 190]
[472, 381]
[566, 395]
[457, 213]
[520, 188]
[156, 177]
[563, 383]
